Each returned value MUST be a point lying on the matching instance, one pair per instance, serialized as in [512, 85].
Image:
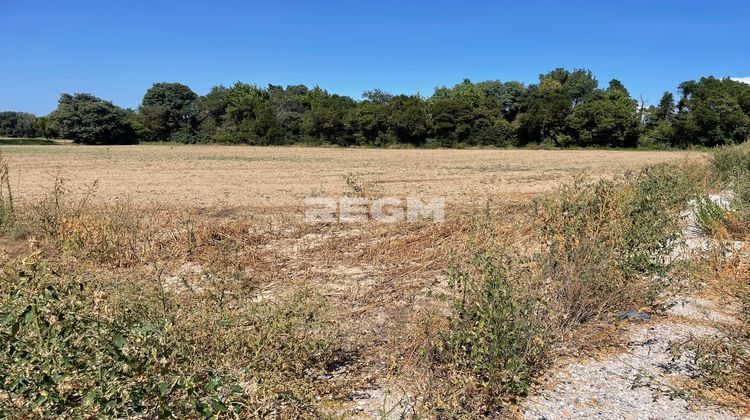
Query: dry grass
[280, 178]
[722, 275]
[723, 361]
[201, 228]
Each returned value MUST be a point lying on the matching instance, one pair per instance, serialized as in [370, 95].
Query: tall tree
[544, 118]
[168, 110]
[579, 85]
[18, 124]
[666, 109]
[610, 119]
[84, 118]
[711, 113]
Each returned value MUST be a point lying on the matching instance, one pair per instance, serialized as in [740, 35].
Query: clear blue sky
[117, 49]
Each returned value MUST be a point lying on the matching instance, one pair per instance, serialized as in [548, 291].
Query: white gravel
[640, 383]
[637, 384]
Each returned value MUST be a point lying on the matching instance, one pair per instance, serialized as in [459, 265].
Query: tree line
[564, 109]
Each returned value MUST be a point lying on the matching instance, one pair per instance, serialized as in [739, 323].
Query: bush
[710, 216]
[732, 167]
[601, 237]
[496, 338]
[732, 161]
[497, 329]
[602, 243]
[78, 346]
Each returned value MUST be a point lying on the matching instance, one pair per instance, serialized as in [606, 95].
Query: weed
[710, 216]
[602, 237]
[730, 162]
[721, 363]
[7, 210]
[80, 346]
[357, 186]
[141, 311]
[732, 166]
[496, 339]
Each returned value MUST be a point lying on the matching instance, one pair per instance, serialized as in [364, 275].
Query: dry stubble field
[280, 178]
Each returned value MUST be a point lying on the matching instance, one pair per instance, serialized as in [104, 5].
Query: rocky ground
[643, 381]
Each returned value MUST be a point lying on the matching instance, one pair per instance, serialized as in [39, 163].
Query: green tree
[579, 84]
[609, 120]
[377, 96]
[544, 118]
[18, 124]
[43, 127]
[168, 112]
[408, 119]
[666, 109]
[658, 123]
[368, 121]
[616, 86]
[325, 121]
[291, 104]
[452, 121]
[211, 110]
[86, 119]
[711, 113]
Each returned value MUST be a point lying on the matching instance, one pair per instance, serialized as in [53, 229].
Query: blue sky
[116, 50]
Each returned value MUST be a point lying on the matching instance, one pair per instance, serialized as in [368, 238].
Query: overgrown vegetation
[129, 310]
[732, 166]
[723, 363]
[603, 245]
[604, 238]
[722, 360]
[495, 342]
[565, 108]
[77, 345]
[96, 319]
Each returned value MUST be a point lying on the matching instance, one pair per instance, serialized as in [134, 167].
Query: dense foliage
[87, 119]
[18, 124]
[565, 108]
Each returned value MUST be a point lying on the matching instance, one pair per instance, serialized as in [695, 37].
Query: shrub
[710, 216]
[732, 167]
[602, 243]
[497, 329]
[495, 342]
[601, 237]
[78, 346]
[723, 363]
[731, 161]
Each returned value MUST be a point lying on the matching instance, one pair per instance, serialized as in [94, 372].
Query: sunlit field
[186, 280]
[280, 178]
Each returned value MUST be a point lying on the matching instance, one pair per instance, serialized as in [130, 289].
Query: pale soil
[225, 176]
[645, 379]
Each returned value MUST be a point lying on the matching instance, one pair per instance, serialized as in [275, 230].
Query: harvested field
[280, 178]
